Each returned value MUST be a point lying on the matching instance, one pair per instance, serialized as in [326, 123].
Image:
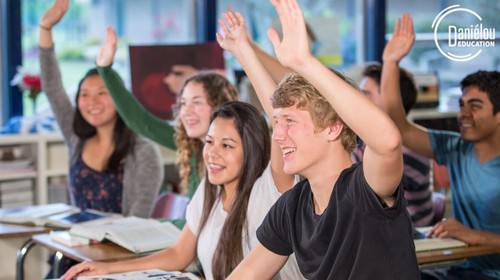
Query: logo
[464, 42]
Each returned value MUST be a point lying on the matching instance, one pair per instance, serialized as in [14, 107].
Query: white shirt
[264, 194]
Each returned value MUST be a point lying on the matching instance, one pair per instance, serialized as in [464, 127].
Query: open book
[153, 274]
[135, 234]
[56, 215]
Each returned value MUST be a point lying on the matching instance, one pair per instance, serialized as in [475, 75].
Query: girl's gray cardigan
[143, 170]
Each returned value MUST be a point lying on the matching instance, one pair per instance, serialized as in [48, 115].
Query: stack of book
[16, 193]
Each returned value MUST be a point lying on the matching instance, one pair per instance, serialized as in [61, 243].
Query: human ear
[334, 131]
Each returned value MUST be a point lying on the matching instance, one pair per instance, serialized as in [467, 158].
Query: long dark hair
[256, 140]
[123, 137]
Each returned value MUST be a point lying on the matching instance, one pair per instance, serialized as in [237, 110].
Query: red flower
[32, 82]
[27, 81]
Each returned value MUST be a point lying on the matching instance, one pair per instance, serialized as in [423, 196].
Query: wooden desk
[100, 252]
[454, 254]
[106, 252]
[10, 230]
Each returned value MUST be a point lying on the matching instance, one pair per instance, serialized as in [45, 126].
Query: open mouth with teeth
[215, 167]
[287, 151]
[94, 111]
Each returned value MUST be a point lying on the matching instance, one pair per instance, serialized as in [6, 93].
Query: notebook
[430, 244]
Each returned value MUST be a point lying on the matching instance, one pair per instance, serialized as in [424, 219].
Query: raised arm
[403, 37]
[383, 164]
[273, 66]
[50, 73]
[49, 20]
[236, 40]
[176, 258]
[135, 116]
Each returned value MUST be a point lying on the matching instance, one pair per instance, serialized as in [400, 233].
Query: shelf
[8, 175]
[49, 156]
[57, 172]
[29, 138]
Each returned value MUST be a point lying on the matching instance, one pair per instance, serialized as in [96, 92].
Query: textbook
[152, 274]
[57, 215]
[87, 216]
[422, 243]
[138, 235]
[430, 244]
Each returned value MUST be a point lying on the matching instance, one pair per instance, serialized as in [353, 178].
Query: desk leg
[55, 266]
[21, 254]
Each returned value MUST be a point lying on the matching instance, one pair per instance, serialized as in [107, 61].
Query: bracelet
[45, 28]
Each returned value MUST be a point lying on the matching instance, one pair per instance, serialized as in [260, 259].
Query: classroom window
[334, 23]
[426, 58]
[80, 33]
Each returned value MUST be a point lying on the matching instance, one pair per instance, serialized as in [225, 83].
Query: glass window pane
[79, 35]
[425, 57]
[333, 23]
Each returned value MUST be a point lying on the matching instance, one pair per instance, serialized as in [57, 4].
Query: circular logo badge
[461, 42]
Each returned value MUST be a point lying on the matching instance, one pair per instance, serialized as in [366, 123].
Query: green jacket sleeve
[135, 116]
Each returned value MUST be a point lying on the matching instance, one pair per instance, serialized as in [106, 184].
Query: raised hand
[85, 269]
[293, 49]
[108, 48]
[402, 40]
[54, 14]
[235, 32]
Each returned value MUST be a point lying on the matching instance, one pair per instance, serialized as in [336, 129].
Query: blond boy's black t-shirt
[354, 238]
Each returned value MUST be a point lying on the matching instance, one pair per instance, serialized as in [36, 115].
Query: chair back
[170, 205]
[440, 176]
[439, 204]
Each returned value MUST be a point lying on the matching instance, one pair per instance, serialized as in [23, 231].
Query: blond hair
[295, 90]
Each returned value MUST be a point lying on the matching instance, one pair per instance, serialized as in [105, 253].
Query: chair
[170, 205]
[440, 176]
[439, 204]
